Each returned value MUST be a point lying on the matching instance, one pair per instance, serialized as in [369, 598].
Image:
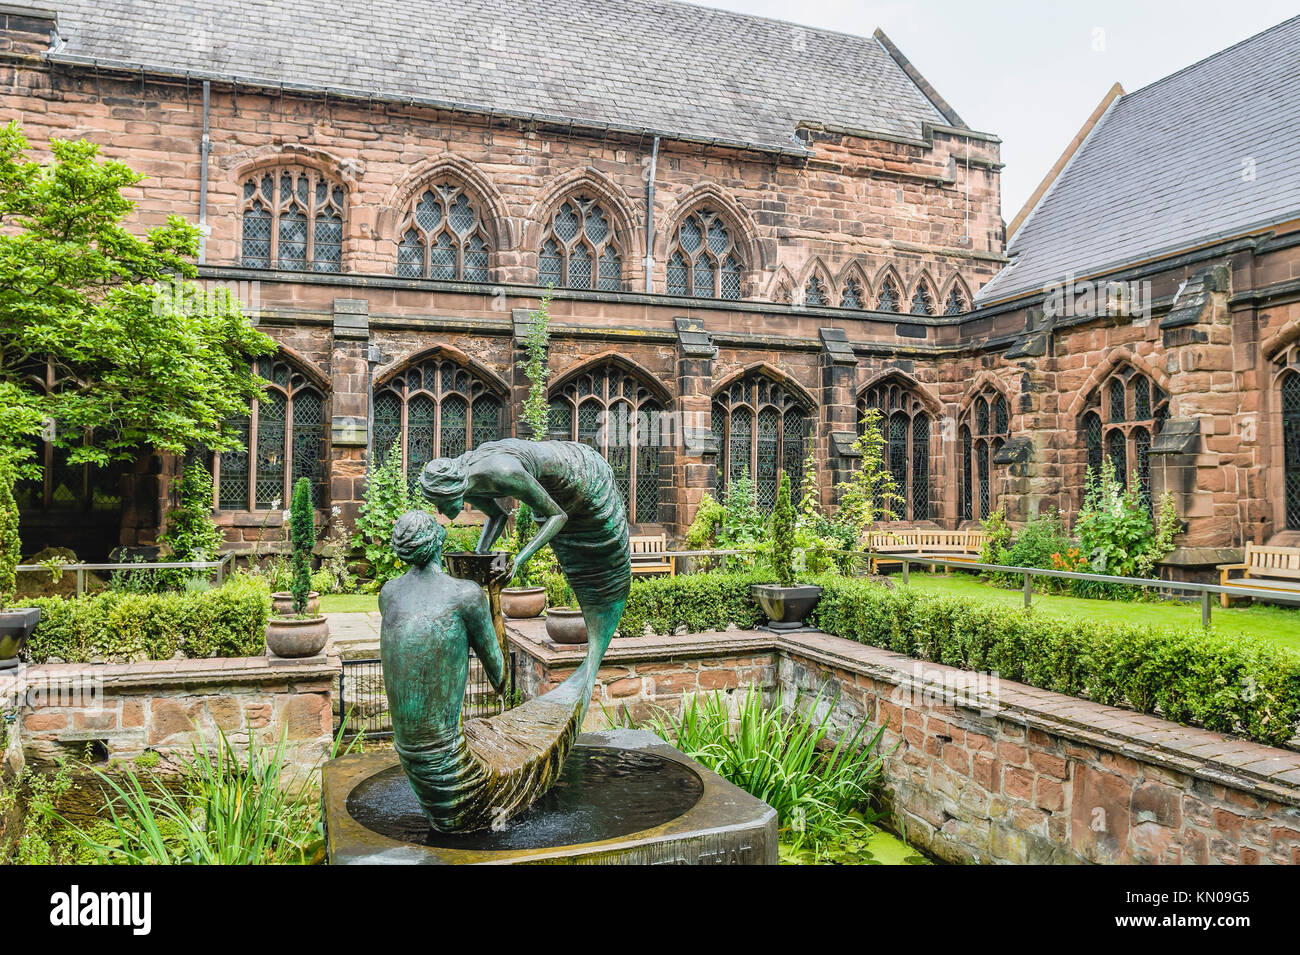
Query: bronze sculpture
[479, 774]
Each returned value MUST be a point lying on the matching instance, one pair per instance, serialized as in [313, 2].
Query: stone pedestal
[712, 822]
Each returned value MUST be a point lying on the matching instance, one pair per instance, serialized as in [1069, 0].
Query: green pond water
[879, 847]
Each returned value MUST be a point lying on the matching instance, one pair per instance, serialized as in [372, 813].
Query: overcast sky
[1031, 72]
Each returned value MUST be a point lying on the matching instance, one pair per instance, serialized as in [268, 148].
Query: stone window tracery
[907, 428]
[703, 260]
[443, 236]
[762, 430]
[580, 249]
[292, 218]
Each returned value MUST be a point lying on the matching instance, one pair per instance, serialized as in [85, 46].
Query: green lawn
[349, 603]
[1276, 623]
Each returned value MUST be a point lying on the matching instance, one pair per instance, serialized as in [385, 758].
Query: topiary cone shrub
[302, 535]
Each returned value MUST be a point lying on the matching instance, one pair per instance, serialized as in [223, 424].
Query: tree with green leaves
[191, 534]
[10, 546]
[147, 358]
[870, 494]
[387, 499]
[536, 414]
[302, 535]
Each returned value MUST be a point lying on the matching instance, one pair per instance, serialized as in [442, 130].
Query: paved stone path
[355, 635]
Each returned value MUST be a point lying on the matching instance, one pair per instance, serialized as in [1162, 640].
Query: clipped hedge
[1245, 686]
[228, 621]
[699, 602]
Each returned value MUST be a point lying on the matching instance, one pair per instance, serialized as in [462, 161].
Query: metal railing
[221, 567]
[1028, 573]
[362, 705]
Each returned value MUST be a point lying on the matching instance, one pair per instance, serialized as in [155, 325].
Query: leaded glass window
[907, 443]
[611, 410]
[888, 299]
[703, 260]
[434, 408]
[1291, 447]
[956, 303]
[1122, 416]
[62, 486]
[923, 300]
[813, 293]
[285, 432]
[443, 236]
[985, 428]
[579, 249]
[762, 429]
[852, 295]
[292, 219]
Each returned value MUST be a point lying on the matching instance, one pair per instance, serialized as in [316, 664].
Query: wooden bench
[1265, 568]
[650, 555]
[961, 546]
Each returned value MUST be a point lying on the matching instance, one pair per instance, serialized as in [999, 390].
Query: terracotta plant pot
[282, 603]
[786, 607]
[520, 603]
[565, 625]
[294, 637]
[15, 627]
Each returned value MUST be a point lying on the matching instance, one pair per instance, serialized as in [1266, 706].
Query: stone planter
[785, 607]
[296, 637]
[282, 603]
[520, 603]
[15, 627]
[565, 625]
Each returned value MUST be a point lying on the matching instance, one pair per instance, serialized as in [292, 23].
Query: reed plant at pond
[225, 809]
[821, 791]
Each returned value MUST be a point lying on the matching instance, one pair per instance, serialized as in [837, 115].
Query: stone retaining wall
[122, 711]
[980, 770]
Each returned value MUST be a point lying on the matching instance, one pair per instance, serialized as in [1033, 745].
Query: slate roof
[671, 68]
[1162, 170]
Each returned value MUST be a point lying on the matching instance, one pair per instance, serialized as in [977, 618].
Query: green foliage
[870, 494]
[524, 529]
[231, 808]
[227, 621]
[782, 533]
[41, 838]
[536, 410]
[1241, 685]
[997, 537]
[302, 534]
[191, 534]
[10, 545]
[462, 537]
[698, 602]
[1116, 534]
[168, 362]
[387, 499]
[819, 788]
[558, 591]
[1041, 543]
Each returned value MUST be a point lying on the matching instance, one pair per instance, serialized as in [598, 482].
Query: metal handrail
[1028, 573]
[80, 569]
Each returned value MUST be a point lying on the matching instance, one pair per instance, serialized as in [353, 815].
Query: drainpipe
[205, 147]
[649, 260]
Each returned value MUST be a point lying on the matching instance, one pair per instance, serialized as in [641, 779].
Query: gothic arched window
[608, 409]
[888, 299]
[907, 429]
[957, 303]
[579, 249]
[852, 296]
[703, 261]
[984, 429]
[434, 409]
[814, 293]
[443, 236]
[283, 438]
[1291, 446]
[63, 486]
[1121, 417]
[292, 219]
[922, 300]
[762, 430]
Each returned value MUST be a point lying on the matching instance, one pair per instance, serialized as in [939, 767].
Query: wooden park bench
[650, 555]
[961, 546]
[1265, 568]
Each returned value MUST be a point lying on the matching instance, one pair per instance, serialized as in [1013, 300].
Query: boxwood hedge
[227, 621]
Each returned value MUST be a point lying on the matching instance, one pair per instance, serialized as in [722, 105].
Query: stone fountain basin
[625, 797]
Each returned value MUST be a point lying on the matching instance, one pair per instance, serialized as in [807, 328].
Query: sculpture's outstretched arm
[483, 640]
[527, 490]
[492, 527]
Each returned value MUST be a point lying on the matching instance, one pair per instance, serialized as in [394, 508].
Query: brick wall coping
[1215, 757]
[181, 673]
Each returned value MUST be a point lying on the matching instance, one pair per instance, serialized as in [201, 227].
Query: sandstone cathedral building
[754, 231]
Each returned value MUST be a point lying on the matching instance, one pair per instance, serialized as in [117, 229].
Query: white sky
[1031, 72]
